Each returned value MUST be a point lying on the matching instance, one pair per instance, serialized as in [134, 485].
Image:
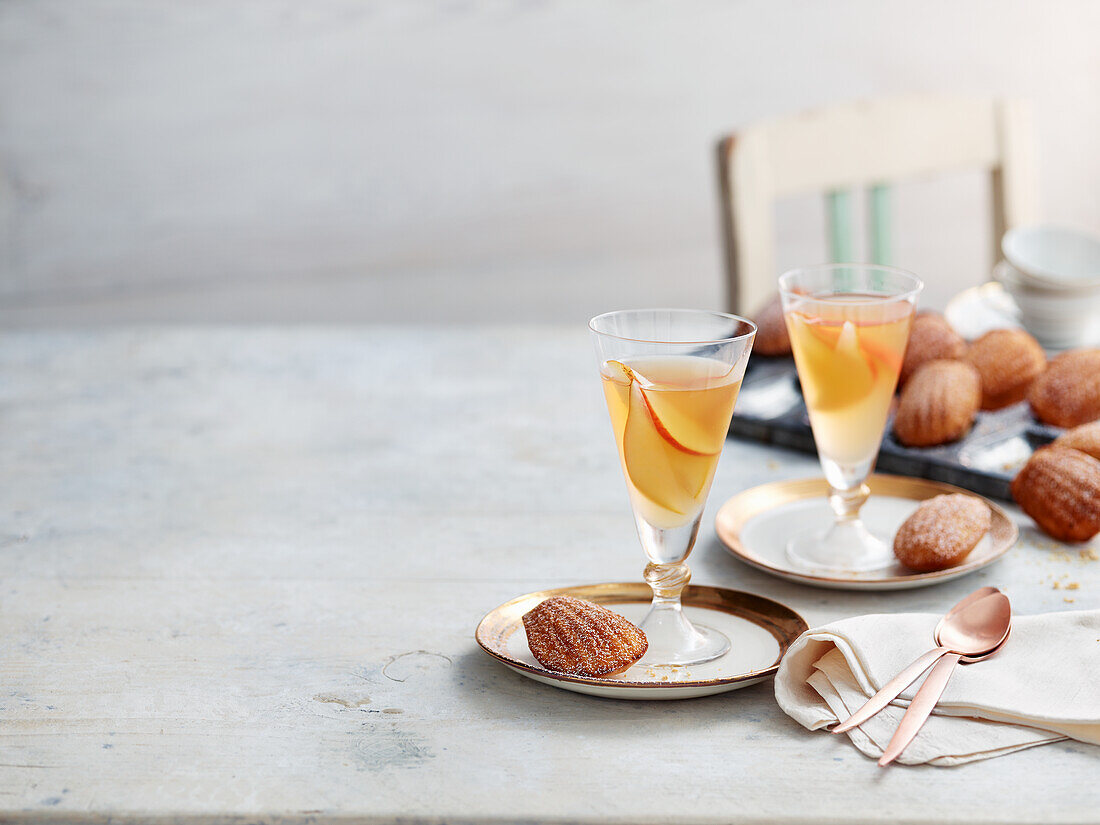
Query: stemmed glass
[849, 326]
[671, 378]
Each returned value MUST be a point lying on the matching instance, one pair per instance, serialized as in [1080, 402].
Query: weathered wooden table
[241, 569]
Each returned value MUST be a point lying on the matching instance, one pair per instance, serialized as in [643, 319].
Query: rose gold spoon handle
[891, 690]
[982, 631]
[920, 707]
[895, 686]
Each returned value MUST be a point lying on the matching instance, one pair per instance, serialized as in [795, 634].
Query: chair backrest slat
[863, 146]
[878, 224]
[839, 210]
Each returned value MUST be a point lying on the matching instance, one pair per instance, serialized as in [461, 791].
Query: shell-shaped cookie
[1068, 393]
[771, 330]
[938, 404]
[931, 338]
[941, 532]
[1008, 361]
[1060, 489]
[578, 637]
[1085, 438]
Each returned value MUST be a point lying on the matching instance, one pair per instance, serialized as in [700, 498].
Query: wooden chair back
[864, 145]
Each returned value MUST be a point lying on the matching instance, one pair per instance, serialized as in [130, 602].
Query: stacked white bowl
[1053, 274]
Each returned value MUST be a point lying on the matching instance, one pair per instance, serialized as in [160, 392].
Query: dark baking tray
[770, 409]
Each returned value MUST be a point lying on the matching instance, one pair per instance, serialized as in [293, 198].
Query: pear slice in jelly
[832, 377]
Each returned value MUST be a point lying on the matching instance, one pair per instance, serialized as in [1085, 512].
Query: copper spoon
[989, 621]
[892, 689]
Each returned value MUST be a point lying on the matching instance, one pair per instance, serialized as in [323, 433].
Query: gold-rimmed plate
[760, 631]
[755, 525]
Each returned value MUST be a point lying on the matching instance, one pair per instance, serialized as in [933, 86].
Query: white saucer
[760, 631]
[756, 524]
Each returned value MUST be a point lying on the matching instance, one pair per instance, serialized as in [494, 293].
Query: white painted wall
[344, 160]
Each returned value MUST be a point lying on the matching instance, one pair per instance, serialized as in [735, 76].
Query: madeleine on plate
[578, 637]
[941, 532]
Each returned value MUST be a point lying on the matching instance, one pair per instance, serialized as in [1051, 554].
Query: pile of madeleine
[945, 381]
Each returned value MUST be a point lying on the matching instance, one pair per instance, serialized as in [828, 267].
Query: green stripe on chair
[839, 207]
[879, 224]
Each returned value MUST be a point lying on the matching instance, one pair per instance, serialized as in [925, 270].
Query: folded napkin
[1042, 686]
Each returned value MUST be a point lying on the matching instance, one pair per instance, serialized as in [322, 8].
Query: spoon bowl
[978, 657]
[980, 593]
[979, 628]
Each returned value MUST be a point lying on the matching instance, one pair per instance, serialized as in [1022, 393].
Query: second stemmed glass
[670, 378]
[849, 326]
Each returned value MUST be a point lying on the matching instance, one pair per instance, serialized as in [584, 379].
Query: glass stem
[666, 616]
[846, 503]
[673, 640]
[668, 582]
[847, 545]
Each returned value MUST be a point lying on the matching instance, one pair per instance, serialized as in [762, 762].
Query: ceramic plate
[760, 631]
[755, 525]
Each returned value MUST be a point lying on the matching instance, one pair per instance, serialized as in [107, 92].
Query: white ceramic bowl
[1058, 319]
[1054, 258]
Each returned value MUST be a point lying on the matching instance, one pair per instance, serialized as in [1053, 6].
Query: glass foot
[846, 547]
[673, 640]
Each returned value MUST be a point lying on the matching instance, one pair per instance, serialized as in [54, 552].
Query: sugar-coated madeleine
[771, 330]
[578, 637]
[938, 404]
[931, 338]
[1068, 393]
[1059, 488]
[1008, 360]
[1085, 438]
[941, 532]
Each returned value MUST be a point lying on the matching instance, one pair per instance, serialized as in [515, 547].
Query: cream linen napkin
[1043, 685]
